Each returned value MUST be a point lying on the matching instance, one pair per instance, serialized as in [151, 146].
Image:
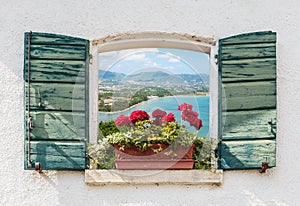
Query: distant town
[118, 91]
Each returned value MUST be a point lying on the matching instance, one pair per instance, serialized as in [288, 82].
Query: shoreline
[124, 110]
[143, 102]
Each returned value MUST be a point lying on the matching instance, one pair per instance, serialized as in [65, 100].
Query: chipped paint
[158, 35]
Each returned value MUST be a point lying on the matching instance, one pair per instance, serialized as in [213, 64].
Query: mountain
[160, 77]
[156, 77]
[195, 77]
[109, 76]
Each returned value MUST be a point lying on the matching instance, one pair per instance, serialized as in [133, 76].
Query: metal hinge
[216, 59]
[29, 118]
[264, 167]
[91, 58]
[37, 165]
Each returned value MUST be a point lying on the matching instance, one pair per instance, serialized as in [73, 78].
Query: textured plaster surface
[97, 19]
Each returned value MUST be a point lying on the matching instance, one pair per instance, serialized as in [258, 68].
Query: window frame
[154, 40]
[187, 42]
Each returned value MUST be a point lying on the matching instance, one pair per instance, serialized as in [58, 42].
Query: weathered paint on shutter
[247, 65]
[58, 101]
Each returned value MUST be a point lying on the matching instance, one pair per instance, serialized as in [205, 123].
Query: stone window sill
[151, 177]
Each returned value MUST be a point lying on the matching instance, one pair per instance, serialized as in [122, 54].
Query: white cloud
[155, 64]
[106, 59]
[136, 54]
[169, 67]
[135, 57]
[127, 52]
[109, 60]
[150, 63]
[170, 57]
[163, 56]
[173, 60]
[108, 54]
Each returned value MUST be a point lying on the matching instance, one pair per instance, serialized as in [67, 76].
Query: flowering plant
[138, 115]
[161, 116]
[157, 131]
[142, 131]
[190, 116]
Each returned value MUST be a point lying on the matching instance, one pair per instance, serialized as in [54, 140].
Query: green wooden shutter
[58, 98]
[247, 66]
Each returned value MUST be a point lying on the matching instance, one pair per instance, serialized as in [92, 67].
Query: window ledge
[150, 177]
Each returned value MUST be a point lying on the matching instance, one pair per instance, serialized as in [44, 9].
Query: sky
[174, 61]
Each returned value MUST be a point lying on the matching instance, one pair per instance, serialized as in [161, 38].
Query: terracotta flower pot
[167, 158]
[180, 152]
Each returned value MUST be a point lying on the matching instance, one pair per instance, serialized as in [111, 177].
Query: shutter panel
[247, 65]
[56, 101]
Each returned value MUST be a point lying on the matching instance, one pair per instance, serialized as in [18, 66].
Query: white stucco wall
[96, 19]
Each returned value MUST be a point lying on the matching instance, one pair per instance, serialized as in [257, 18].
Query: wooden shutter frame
[270, 159]
[49, 41]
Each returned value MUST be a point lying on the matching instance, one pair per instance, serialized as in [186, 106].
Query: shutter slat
[58, 101]
[250, 95]
[58, 155]
[248, 154]
[246, 89]
[55, 96]
[256, 37]
[248, 70]
[249, 124]
[57, 52]
[252, 102]
[56, 39]
[248, 51]
[58, 125]
[248, 83]
[57, 70]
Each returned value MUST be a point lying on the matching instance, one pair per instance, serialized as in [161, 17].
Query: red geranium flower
[122, 120]
[185, 106]
[158, 115]
[169, 118]
[197, 123]
[190, 116]
[138, 115]
[187, 114]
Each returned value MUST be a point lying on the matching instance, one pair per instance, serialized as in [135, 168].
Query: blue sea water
[170, 104]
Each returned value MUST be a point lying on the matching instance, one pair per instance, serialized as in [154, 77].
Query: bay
[170, 104]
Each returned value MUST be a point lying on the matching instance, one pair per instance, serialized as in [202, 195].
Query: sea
[170, 104]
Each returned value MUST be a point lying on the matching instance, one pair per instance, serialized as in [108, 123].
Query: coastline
[149, 100]
[124, 110]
